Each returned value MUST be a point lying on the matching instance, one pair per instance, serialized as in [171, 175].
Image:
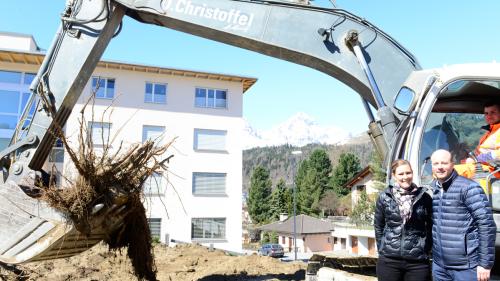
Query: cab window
[455, 122]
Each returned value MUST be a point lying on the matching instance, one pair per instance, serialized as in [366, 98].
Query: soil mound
[180, 263]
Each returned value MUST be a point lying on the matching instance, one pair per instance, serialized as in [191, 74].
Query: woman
[403, 228]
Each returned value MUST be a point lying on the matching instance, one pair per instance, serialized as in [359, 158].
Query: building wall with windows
[14, 95]
[199, 198]
[364, 181]
[355, 240]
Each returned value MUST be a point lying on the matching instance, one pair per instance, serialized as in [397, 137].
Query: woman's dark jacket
[411, 241]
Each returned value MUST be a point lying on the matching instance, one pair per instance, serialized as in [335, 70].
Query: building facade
[363, 181]
[347, 236]
[353, 239]
[198, 199]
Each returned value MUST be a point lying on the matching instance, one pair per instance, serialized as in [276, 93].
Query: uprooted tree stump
[101, 176]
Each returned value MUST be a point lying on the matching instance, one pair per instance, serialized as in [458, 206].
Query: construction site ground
[181, 263]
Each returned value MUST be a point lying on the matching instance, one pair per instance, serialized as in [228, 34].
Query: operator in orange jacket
[488, 150]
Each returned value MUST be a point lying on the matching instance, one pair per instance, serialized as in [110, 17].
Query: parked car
[272, 250]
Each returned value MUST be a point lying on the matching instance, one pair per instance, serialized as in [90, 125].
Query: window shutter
[210, 140]
[209, 183]
[208, 228]
[155, 227]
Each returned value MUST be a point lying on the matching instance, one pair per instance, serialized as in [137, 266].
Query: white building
[355, 240]
[199, 198]
[347, 236]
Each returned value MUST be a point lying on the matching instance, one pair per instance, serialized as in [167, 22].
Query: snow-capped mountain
[299, 130]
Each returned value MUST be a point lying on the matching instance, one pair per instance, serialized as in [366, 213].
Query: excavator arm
[302, 34]
[332, 41]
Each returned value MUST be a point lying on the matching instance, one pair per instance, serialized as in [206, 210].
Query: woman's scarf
[404, 198]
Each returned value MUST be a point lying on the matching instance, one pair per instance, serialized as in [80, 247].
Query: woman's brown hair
[399, 162]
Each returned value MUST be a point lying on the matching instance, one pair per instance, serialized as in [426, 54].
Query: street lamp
[297, 153]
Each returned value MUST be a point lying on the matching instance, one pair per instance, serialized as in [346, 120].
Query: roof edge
[247, 82]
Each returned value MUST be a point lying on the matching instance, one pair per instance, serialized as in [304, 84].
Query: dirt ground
[180, 263]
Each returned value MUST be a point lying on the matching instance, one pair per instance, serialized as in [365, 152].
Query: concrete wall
[362, 245]
[307, 243]
[288, 245]
[347, 233]
[318, 243]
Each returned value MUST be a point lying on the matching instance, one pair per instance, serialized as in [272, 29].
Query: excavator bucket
[33, 231]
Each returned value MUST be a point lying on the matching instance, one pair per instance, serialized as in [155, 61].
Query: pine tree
[259, 195]
[301, 185]
[320, 162]
[279, 202]
[377, 167]
[312, 181]
[347, 167]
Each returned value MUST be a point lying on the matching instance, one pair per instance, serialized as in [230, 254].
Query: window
[99, 133]
[106, 88]
[456, 132]
[155, 227]
[360, 187]
[10, 102]
[10, 77]
[57, 152]
[209, 184]
[8, 121]
[4, 142]
[210, 98]
[453, 123]
[209, 140]
[32, 104]
[25, 97]
[153, 186]
[208, 228]
[155, 93]
[55, 178]
[14, 94]
[153, 133]
[28, 78]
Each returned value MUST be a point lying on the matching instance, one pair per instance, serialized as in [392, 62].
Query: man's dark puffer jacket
[464, 230]
[411, 241]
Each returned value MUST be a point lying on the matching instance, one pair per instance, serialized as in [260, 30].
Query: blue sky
[436, 32]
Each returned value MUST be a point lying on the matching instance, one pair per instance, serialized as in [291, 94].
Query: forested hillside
[281, 163]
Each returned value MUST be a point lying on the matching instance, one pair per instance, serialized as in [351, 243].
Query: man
[463, 230]
[488, 149]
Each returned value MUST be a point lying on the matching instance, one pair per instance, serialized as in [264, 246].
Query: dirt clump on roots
[108, 178]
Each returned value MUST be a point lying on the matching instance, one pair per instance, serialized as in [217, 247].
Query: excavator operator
[488, 150]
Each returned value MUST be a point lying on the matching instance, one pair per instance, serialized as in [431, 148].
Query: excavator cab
[446, 112]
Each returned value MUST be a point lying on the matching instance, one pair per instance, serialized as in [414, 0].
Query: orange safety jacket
[490, 142]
